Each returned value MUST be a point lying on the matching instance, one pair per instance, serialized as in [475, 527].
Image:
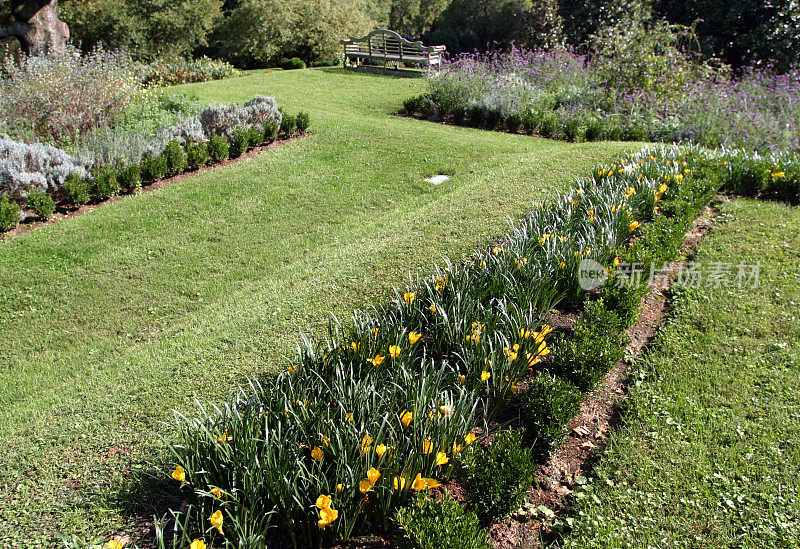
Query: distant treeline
[258, 33]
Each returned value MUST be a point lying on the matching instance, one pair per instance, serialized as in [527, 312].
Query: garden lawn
[112, 319]
[709, 455]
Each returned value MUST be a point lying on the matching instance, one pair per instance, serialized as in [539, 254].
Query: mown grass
[709, 455]
[112, 319]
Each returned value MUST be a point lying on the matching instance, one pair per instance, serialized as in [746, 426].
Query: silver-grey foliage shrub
[24, 166]
[224, 119]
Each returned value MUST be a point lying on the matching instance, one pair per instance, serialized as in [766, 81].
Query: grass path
[709, 455]
[112, 319]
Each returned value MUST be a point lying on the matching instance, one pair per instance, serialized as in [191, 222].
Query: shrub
[218, 148]
[177, 70]
[459, 114]
[514, 122]
[35, 166]
[76, 189]
[595, 346]
[303, 120]
[174, 158]
[475, 115]
[271, 132]
[288, 125]
[497, 478]
[239, 142]
[624, 299]
[105, 182]
[196, 155]
[223, 119]
[292, 63]
[412, 105]
[130, 177]
[545, 408]
[41, 203]
[153, 166]
[255, 136]
[439, 524]
[493, 119]
[10, 214]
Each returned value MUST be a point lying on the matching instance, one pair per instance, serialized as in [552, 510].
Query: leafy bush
[196, 155]
[130, 177]
[24, 167]
[255, 136]
[413, 105]
[545, 408]
[177, 70]
[76, 189]
[105, 183]
[10, 214]
[41, 203]
[59, 98]
[224, 119]
[154, 167]
[288, 125]
[292, 64]
[497, 478]
[440, 524]
[240, 140]
[514, 122]
[595, 346]
[302, 121]
[174, 157]
[271, 132]
[218, 148]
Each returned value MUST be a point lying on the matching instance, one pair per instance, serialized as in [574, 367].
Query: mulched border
[26, 227]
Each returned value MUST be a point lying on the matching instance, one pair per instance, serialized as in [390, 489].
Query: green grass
[112, 319]
[709, 455]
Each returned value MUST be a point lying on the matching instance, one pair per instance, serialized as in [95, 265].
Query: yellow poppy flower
[432, 308]
[325, 441]
[179, 474]
[373, 475]
[377, 361]
[327, 516]
[431, 483]
[470, 438]
[197, 544]
[354, 346]
[562, 265]
[462, 379]
[457, 448]
[339, 488]
[224, 437]
[497, 250]
[323, 501]
[381, 449]
[408, 297]
[115, 544]
[216, 520]
[399, 483]
[364, 486]
[485, 375]
[446, 410]
[634, 225]
[426, 446]
[350, 417]
[413, 337]
[394, 351]
[406, 418]
[217, 492]
[316, 453]
[441, 458]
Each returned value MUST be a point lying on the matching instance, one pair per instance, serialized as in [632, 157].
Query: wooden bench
[388, 47]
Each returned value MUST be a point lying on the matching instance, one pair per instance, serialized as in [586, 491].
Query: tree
[415, 17]
[36, 25]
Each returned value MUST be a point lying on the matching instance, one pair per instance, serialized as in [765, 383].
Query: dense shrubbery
[657, 97]
[430, 523]
[177, 70]
[362, 417]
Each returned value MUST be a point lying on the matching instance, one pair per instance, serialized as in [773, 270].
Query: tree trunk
[37, 27]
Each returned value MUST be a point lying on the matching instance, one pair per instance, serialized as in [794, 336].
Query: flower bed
[40, 177]
[389, 404]
[565, 96]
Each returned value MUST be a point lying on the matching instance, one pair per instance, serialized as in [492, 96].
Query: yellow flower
[224, 437]
[406, 418]
[778, 175]
[543, 350]
[408, 297]
[115, 544]
[339, 488]
[446, 410]
[325, 441]
[366, 444]
[399, 483]
[364, 486]
[179, 474]
[440, 282]
[634, 225]
[496, 250]
[354, 346]
[413, 337]
[616, 262]
[394, 351]
[290, 369]
[562, 265]
[485, 375]
[470, 438]
[197, 544]
[431, 483]
[441, 458]
[533, 360]
[426, 446]
[316, 453]
[457, 447]
[327, 516]
[432, 308]
[514, 387]
[373, 475]
[462, 379]
[217, 492]
[380, 449]
[216, 520]
[350, 417]
[323, 501]
[419, 483]
[377, 361]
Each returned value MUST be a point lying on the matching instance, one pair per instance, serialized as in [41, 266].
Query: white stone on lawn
[438, 179]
